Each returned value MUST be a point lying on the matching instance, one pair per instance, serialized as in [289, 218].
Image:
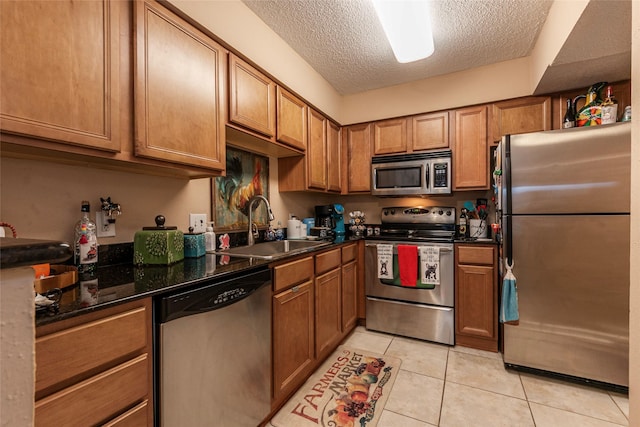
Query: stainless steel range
[397, 303]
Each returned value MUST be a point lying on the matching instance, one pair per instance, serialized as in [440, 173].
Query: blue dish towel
[509, 307]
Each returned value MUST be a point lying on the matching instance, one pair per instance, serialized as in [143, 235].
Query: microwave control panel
[440, 175]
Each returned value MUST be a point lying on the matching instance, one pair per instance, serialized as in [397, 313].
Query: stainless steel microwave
[411, 174]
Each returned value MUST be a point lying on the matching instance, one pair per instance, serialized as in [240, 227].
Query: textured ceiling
[343, 39]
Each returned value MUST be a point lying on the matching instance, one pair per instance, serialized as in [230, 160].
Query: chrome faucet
[253, 234]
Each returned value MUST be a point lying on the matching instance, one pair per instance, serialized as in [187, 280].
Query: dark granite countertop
[476, 242]
[120, 283]
[24, 252]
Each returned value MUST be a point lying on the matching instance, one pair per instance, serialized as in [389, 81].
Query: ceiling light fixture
[407, 25]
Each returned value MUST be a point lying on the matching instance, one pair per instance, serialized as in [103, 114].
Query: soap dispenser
[210, 238]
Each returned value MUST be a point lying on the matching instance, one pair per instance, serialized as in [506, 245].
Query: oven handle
[442, 249]
[412, 304]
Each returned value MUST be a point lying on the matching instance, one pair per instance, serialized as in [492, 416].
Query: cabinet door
[430, 131]
[390, 136]
[328, 312]
[349, 296]
[252, 98]
[523, 115]
[292, 120]
[358, 158]
[60, 71]
[470, 153]
[293, 338]
[180, 105]
[317, 151]
[475, 312]
[334, 157]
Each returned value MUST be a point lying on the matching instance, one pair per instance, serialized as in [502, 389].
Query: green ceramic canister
[159, 245]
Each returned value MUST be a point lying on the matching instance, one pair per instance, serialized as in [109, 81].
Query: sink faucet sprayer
[252, 235]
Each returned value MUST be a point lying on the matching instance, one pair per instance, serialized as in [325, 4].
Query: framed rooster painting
[247, 175]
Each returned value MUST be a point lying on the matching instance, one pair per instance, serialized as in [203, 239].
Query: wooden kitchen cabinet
[293, 326]
[60, 76]
[180, 88]
[477, 296]
[82, 381]
[357, 158]
[470, 150]
[252, 98]
[328, 302]
[390, 136]
[292, 120]
[521, 115]
[317, 151]
[320, 168]
[430, 131]
[349, 286]
[334, 157]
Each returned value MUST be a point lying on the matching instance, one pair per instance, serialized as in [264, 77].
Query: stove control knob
[385, 212]
[440, 212]
[448, 213]
[393, 211]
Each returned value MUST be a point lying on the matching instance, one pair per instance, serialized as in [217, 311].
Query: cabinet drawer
[134, 417]
[475, 255]
[327, 261]
[349, 253]
[96, 399]
[292, 273]
[83, 349]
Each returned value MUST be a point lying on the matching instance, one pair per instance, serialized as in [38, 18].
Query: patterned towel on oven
[385, 261]
[430, 265]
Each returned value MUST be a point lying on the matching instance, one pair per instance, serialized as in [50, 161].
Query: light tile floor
[445, 386]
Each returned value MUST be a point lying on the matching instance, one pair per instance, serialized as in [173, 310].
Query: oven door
[442, 294]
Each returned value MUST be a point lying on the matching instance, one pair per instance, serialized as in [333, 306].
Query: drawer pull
[295, 289]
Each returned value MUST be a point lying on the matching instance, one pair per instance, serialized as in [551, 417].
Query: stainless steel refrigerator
[565, 202]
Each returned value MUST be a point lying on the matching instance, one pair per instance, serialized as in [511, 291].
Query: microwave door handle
[427, 177]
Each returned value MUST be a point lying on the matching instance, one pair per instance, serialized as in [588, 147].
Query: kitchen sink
[274, 250]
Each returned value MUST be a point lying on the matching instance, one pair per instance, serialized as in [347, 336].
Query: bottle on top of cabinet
[86, 242]
[609, 107]
[591, 113]
[569, 120]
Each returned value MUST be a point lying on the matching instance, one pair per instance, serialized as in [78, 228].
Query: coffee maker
[324, 222]
[338, 221]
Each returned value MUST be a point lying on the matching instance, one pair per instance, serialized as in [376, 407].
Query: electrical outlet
[105, 228]
[198, 222]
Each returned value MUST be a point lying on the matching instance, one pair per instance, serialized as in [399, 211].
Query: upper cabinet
[390, 136]
[357, 158]
[410, 134]
[292, 120]
[320, 168]
[430, 131]
[180, 102]
[317, 151]
[334, 157]
[521, 115]
[60, 71]
[252, 98]
[470, 149]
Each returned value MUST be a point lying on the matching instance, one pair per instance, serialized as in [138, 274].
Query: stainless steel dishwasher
[213, 364]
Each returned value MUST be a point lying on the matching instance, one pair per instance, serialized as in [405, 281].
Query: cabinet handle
[295, 289]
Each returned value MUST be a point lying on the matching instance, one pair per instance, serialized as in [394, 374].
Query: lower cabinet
[314, 308]
[477, 296]
[328, 302]
[96, 369]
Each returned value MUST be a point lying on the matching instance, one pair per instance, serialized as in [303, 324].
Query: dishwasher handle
[211, 295]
